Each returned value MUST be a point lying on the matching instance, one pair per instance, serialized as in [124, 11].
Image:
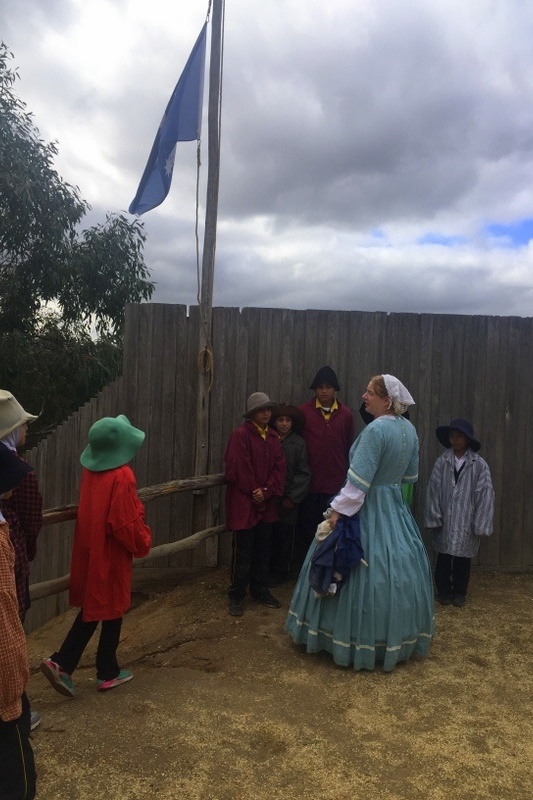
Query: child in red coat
[110, 532]
[255, 475]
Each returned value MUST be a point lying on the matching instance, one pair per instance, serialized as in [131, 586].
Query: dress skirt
[383, 613]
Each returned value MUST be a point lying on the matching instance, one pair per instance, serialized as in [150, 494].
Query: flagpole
[213, 170]
[205, 356]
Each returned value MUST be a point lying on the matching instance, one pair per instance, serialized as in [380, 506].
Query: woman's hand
[333, 519]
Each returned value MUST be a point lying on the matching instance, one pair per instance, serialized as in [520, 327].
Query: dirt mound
[230, 709]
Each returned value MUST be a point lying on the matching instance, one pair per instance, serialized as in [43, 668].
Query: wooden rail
[64, 513]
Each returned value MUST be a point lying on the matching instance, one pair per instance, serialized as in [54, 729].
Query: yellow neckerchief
[327, 414]
[262, 431]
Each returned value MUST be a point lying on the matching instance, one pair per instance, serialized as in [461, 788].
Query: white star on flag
[169, 163]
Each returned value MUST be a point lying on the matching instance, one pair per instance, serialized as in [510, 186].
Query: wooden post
[205, 360]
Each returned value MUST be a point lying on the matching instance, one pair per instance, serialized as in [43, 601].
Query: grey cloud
[338, 119]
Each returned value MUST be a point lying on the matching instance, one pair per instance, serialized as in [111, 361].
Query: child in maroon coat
[255, 474]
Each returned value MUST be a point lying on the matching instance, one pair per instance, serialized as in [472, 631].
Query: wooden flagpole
[205, 355]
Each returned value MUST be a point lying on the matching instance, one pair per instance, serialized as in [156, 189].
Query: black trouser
[17, 766]
[310, 515]
[77, 639]
[250, 561]
[281, 549]
[452, 574]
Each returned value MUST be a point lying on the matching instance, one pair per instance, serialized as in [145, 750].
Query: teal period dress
[383, 613]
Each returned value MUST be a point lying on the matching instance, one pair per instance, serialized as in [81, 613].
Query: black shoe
[459, 600]
[444, 599]
[268, 600]
[235, 608]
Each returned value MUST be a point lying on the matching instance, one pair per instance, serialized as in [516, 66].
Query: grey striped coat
[462, 511]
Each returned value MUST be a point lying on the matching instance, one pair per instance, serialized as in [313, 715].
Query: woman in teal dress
[383, 613]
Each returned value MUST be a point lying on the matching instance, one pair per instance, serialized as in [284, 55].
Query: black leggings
[250, 562]
[452, 574]
[77, 639]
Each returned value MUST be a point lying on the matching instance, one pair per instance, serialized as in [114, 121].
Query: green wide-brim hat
[113, 441]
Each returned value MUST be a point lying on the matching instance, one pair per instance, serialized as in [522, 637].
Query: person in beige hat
[12, 415]
[23, 510]
[255, 475]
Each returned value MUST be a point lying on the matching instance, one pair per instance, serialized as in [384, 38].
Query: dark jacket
[297, 476]
[339, 552]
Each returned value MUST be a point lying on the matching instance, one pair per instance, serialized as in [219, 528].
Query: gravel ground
[230, 709]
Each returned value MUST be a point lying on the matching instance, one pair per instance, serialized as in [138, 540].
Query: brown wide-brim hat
[286, 410]
[256, 402]
[461, 425]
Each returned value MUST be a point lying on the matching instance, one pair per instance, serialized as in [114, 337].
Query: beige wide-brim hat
[257, 401]
[12, 415]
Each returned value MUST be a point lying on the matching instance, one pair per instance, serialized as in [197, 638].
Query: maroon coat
[252, 462]
[328, 445]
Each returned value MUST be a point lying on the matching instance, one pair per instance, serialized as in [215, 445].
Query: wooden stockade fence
[475, 367]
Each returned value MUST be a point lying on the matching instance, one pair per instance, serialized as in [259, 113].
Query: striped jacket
[459, 512]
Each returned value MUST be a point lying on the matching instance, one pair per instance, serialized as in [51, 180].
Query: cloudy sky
[376, 155]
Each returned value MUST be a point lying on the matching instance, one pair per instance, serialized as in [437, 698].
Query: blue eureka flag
[182, 122]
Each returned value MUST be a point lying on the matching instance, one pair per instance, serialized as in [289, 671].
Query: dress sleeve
[365, 456]
[411, 473]
[349, 500]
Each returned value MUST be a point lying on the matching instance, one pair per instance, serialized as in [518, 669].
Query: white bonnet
[401, 399]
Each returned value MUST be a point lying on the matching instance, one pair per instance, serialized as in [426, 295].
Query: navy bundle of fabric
[339, 552]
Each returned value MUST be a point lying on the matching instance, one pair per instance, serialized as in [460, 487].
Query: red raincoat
[110, 531]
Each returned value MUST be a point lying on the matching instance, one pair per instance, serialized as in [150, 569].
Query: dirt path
[229, 709]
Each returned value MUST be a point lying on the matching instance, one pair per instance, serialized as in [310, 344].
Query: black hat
[12, 469]
[286, 410]
[461, 425]
[325, 375]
